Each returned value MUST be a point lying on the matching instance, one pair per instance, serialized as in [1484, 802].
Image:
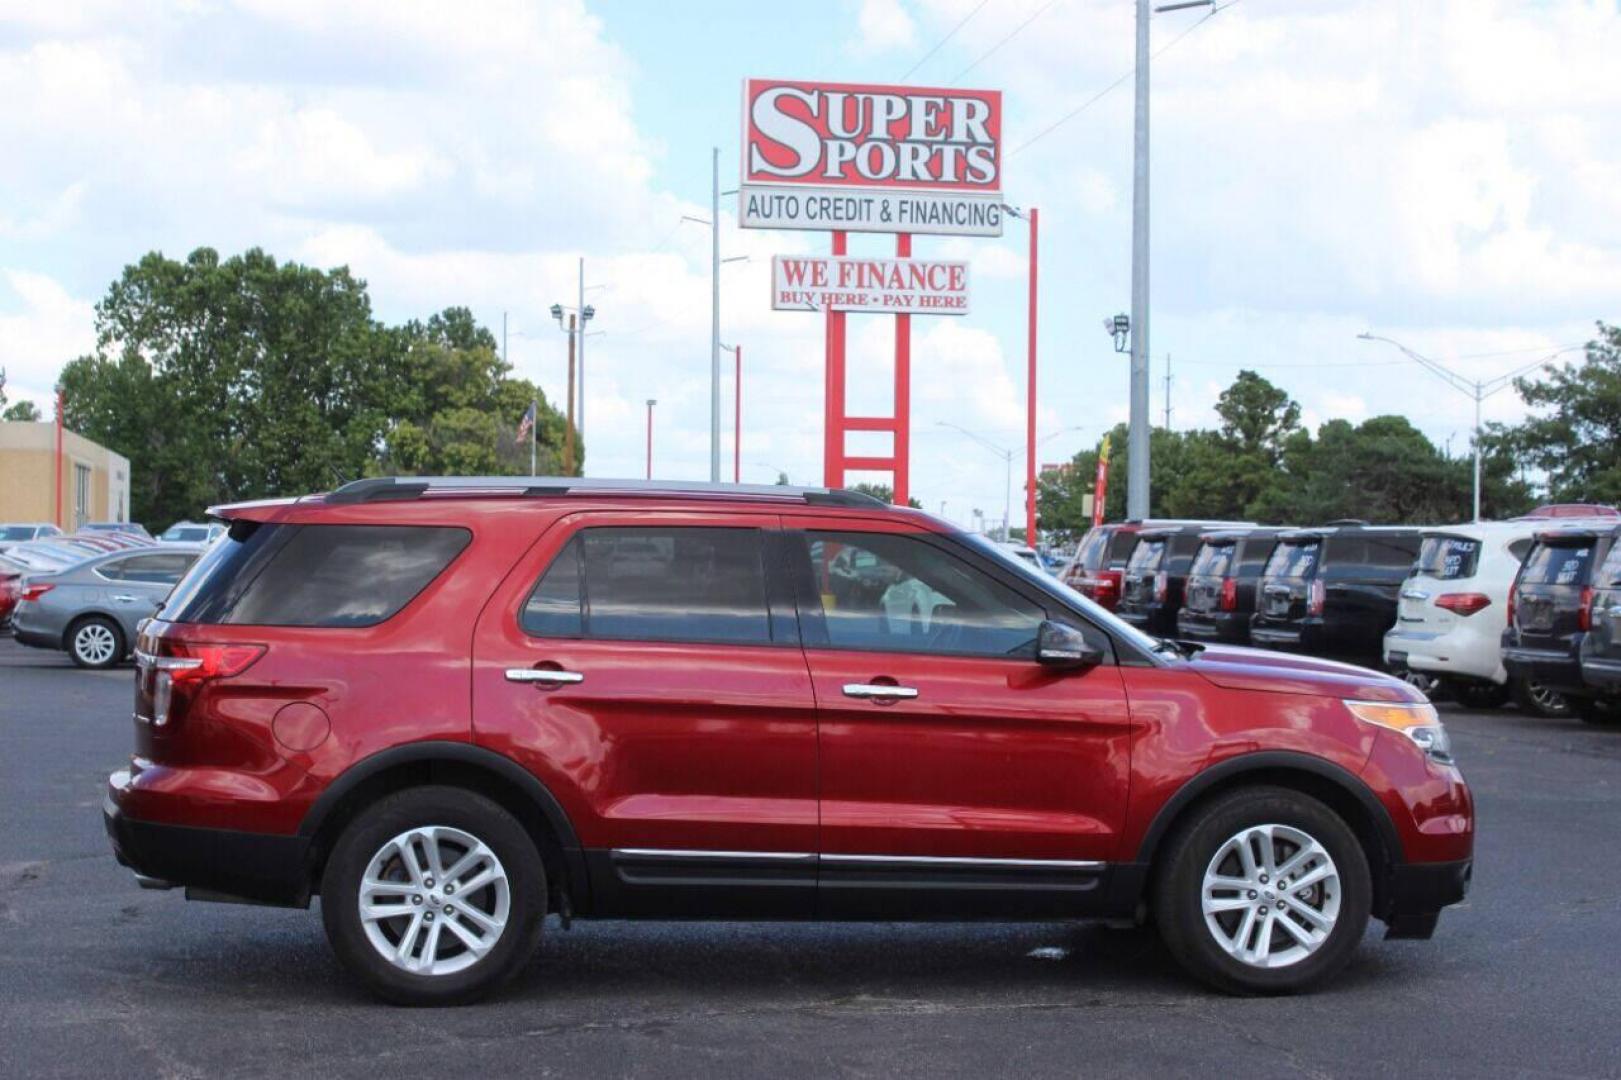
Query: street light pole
[714, 315]
[1137, 495]
[650, 403]
[580, 307]
[1477, 389]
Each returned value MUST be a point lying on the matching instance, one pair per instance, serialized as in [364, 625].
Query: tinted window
[1213, 560]
[314, 575]
[1519, 547]
[183, 534]
[1293, 558]
[654, 584]
[153, 569]
[1093, 547]
[1120, 544]
[16, 532]
[1558, 564]
[1609, 575]
[1395, 552]
[885, 592]
[1183, 546]
[1447, 557]
[1146, 556]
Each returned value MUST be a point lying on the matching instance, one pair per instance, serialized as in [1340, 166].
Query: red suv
[451, 707]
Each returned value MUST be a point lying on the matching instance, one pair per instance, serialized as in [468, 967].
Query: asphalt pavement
[98, 978]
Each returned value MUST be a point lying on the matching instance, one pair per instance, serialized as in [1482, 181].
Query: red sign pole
[903, 389]
[1030, 396]
[833, 447]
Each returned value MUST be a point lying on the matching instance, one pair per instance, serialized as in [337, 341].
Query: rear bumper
[1602, 674]
[1455, 653]
[1416, 893]
[36, 638]
[1558, 669]
[251, 866]
[1227, 627]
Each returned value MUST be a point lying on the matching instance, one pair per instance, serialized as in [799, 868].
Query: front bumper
[260, 867]
[1416, 893]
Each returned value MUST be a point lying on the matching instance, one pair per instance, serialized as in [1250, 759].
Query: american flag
[526, 424]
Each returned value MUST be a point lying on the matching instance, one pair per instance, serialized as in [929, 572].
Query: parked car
[114, 527]
[192, 532]
[18, 533]
[1601, 647]
[1029, 555]
[91, 610]
[1550, 613]
[1151, 587]
[1454, 608]
[31, 557]
[1219, 597]
[1098, 568]
[1332, 591]
[449, 716]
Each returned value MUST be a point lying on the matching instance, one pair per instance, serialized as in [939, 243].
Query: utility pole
[1030, 391]
[580, 307]
[650, 403]
[1137, 500]
[568, 437]
[1167, 391]
[714, 315]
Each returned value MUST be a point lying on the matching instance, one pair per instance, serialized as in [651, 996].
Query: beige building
[94, 481]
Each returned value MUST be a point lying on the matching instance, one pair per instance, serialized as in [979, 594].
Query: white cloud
[883, 25]
[44, 328]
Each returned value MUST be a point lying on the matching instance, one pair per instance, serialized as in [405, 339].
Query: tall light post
[737, 413]
[1478, 389]
[573, 327]
[1137, 494]
[650, 403]
[1034, 220]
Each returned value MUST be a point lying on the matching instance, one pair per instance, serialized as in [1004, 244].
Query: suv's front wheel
[433, 896]
[1265, 891]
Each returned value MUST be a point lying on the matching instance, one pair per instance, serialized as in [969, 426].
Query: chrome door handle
[549, 676]
[124, 598]
[878, 690]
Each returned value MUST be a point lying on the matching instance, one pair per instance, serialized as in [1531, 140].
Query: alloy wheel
[94, 644]
[1549, 700]
[1271, 896]
[434, 900]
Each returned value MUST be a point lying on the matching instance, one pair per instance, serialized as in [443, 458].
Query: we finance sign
[880, 286]
[871, 158]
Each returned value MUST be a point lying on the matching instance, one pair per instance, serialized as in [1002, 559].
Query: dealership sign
[882, 286]
[870, 158]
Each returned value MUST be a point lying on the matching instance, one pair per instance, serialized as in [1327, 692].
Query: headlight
[1419, 723]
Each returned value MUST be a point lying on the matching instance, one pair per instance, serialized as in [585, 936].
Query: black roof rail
[394, 488]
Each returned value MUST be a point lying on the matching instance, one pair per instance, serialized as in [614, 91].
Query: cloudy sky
[1447, 173]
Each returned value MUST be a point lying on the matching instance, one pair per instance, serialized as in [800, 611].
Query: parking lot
[100, 977]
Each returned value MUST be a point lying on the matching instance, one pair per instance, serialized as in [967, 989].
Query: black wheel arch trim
[430, 751]
[1265, 761]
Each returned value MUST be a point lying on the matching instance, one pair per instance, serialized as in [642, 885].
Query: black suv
[1552, 609]
[1601, 648]
[1333, 591]
[1151, 587]
[1219, 597]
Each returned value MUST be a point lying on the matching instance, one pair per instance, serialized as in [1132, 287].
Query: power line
[988, 53]
[1101, 94]
[939, 44]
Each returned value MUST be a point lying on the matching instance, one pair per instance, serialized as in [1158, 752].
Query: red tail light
[1584, 615]
[182, 668]
[1229, 594]
[1513, 596]
[32, 593]
[1162, 587]
[1463, 603]
[1317, 597]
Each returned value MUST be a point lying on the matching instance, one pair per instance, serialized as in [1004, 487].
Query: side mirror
[1060, 645]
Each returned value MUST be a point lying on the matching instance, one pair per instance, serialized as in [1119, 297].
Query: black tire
[1179, 883]
[420, 808]
[84, 637]
[1537, 700]
[1599, 712]
[1478, 694]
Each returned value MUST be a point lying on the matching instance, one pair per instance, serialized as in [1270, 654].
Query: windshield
[1050, 584]
[1447, 558]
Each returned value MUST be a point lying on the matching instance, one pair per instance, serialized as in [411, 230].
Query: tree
[1574, 434]
[884, 493]
[25, 411]
[243, 378]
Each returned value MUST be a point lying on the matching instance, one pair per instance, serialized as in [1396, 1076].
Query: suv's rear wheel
[96, 642]
[1539, 699]
[1265, 891]
[433, 896]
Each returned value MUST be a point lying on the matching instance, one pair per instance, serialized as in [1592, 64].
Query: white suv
[1454, 607]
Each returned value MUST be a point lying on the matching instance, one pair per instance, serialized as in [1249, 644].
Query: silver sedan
[91, 609]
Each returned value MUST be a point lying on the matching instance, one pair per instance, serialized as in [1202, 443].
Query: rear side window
[1558, 564]
[1146, 557]
[1121, 543]
[1183, 547]
[1293, 559]
[1447, 557]
[654, 584]
[1213, 560]
[1392, 552]
[1609, 575]
[1089, 556]
[163, 569]
[314, 575]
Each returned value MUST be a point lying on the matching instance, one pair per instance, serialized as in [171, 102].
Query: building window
[81, 495]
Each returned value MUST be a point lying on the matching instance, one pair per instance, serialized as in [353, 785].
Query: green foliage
[246, 378]
[25, 411]
[882, 492]
[1574, 433]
